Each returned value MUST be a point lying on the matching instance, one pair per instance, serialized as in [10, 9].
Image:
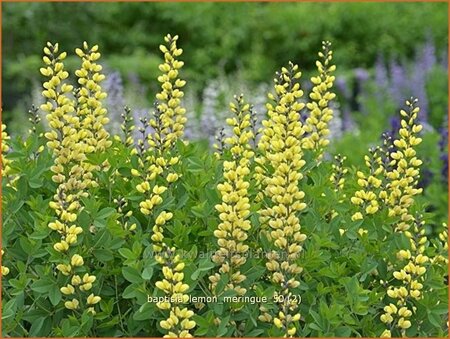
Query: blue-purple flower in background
[443, 148]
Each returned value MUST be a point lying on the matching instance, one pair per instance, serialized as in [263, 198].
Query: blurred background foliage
[252, 39]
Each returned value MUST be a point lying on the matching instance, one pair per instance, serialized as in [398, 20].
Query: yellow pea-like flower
[92, 299]
[5, 270]
[61, 246]
[76, 280]
[402, 323]
[386, 334]
[72, 305]
[69, 289]
[89, 278]
[77, 260]
[277, 322]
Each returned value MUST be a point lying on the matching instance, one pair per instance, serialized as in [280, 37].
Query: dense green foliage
[340, 289]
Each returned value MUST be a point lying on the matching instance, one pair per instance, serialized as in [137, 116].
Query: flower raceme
[157, 164]
[170, 111]
[279, 172]
[337, 177]
[403, 178]
[235, 207]
[316, 125]
[67, 141]
[89, 97]
[411, 277]
[367, 198]
[127, 127]
[89, 110]
[393, 184]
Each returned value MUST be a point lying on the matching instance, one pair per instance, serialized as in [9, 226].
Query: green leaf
[42, 285]
[130, 292]
[436, 320]
[36, 327]
[343, 331]
[147, 273]
[54, 295]
[35, 182]
[200, 210]
[131, 274]
[9, 309]
[315, 327]
[105, 213]
[126, 253]
[103, 255]
[440, 309]
[145, 312]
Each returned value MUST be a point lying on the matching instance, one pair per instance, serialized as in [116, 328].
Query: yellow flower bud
[277, 322]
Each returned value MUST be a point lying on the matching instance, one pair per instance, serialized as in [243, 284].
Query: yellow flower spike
[316, 125]
[156, 161]
[235, 205]
[279, 175]
[367, 198]
[404, 167]
[69, 143]
[337, 178]
[410, 276]
[89, 97]
[169, 114]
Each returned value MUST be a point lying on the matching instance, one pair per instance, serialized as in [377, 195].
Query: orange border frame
[324, 1]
